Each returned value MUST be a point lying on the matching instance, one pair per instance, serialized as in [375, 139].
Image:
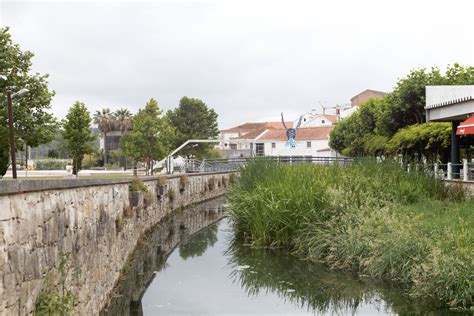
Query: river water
[191, 265]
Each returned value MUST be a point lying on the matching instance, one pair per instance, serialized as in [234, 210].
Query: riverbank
[374, 219]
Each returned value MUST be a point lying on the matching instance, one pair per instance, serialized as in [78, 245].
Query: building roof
[381, 93]
[306, 133]
[251, 135]
[331, 117]
[438, 96]
[249, 127]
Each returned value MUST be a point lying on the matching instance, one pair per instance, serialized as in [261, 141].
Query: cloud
[248, 60]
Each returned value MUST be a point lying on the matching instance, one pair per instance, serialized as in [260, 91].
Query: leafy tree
[105, 120]
[429, 140]
[394, 125]
[193, 119]
[150, 136]
[77, 132]
[33, 124]
[53, 153]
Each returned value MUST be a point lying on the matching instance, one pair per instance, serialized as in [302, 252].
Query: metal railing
[463, 171]
[234, 164]
[460, 171]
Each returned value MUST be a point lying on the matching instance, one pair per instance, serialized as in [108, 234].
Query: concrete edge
[9, 187]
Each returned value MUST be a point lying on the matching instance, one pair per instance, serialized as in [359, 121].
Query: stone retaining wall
[93, 225]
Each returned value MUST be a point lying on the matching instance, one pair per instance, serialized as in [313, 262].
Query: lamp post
[11, 137]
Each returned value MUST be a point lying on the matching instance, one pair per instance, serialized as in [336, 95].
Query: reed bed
[372, 218]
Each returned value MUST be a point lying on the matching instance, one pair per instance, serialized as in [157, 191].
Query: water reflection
[213, 273]
[197, 245]
[149, 258]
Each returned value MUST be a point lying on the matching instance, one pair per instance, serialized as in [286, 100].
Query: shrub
[137, 185]
[171, 195]
[51, 164]
[162, 180]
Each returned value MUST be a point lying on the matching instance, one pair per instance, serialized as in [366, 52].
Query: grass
[98, 176]
[374, 219]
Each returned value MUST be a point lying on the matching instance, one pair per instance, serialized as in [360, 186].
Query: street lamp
[10, 96]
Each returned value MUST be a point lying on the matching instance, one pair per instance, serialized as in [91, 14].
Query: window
[323, 121]
[308, 144]
[259, 149]
[273, 145]
[233, 146]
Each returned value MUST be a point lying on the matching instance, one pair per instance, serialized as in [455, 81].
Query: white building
[310, 141]
[313, 119]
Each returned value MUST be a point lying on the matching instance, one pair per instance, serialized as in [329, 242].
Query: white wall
[301, 149]
[317, 121]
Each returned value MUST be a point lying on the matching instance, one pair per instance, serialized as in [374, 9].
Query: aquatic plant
[373, 218]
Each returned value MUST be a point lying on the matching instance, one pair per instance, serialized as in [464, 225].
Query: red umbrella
[466, 127]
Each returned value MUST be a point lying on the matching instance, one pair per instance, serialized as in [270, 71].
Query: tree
[53, 153]
[123, 119]
[105, 121]
[33, 124]
[396, 125]
[193, 119]
[77, 132]
[150, 136]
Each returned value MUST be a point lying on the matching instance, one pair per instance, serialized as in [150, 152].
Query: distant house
[310, 141]
[314, 119]
[360, 99]
[235, 141]
[113, 140]
[365, 95]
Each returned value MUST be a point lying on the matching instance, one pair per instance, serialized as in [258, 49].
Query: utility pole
[11, 137]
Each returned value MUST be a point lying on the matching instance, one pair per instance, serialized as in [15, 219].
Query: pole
[10, 133]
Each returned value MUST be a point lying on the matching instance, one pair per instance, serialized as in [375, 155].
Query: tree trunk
[26, 156]
[105, 151]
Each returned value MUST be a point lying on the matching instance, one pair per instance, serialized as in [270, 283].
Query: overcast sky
[249, 60]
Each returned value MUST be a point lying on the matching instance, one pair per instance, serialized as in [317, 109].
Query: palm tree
[105, 121]
[123, 119]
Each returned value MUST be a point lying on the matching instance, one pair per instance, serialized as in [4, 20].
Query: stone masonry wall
[94, 228]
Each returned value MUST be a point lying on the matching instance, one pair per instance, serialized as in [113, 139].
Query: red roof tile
[249, 127]
[308, 133]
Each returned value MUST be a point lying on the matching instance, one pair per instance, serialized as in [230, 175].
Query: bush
[137, 185]
[51, 164]
[372, 218]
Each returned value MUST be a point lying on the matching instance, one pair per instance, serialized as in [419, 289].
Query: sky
[249, 60]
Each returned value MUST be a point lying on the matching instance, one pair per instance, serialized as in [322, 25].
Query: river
[191, 264]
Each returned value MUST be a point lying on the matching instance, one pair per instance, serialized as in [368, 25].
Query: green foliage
[193, 119]
[137, 185]
[34, 125]
[54, 301]
[395, 124]
[429, 140]
[213, 153]
[53, 153]
[77, 134]
[373, 218]
[51, 164]
[150, 136]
